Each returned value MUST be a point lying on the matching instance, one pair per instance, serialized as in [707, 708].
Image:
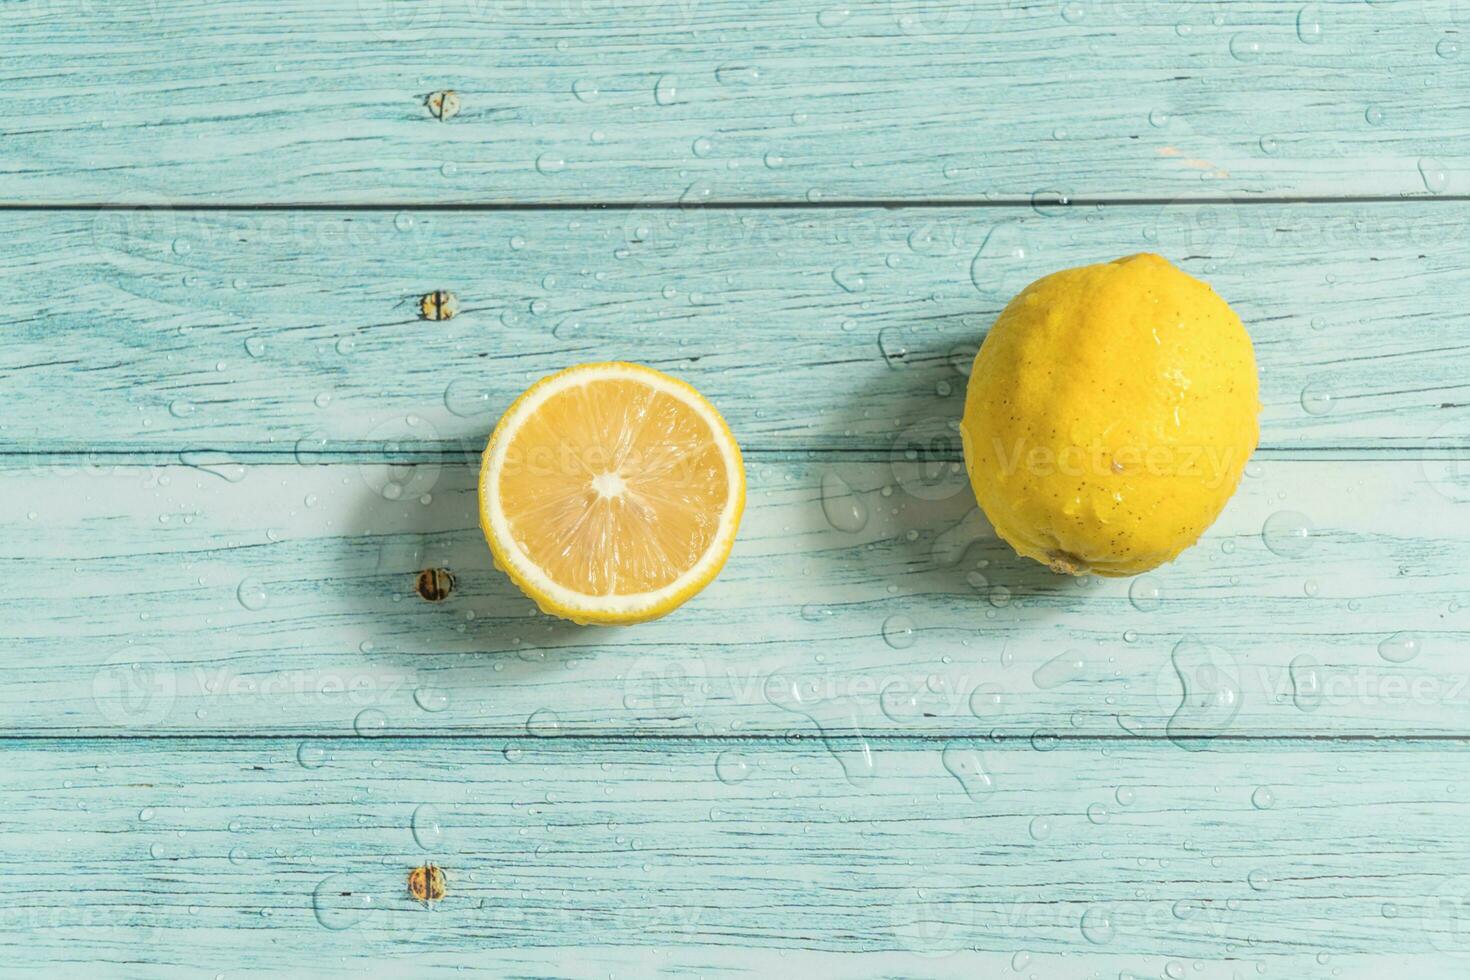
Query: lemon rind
[585, 608]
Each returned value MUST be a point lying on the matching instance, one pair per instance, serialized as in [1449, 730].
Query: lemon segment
[611, 493]
[1110, 412]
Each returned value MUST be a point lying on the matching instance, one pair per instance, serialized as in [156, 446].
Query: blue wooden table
[880, 744]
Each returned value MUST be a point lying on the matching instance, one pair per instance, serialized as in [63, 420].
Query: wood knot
[441, 304]
[435, 584]
[426, 883]
[443, 104]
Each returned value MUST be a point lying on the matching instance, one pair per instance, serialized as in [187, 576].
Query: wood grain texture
[229, 444]
[165, 330]
[324, 100]
[260, 598]
[184, 858]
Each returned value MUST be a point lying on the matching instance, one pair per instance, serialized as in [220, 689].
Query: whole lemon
[1110, 413]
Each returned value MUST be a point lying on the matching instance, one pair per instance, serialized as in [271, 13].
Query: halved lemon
[611, 493]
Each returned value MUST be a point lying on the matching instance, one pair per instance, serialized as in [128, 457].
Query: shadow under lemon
[926, 368]
[416, 574]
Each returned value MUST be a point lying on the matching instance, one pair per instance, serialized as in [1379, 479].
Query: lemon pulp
[610, 493]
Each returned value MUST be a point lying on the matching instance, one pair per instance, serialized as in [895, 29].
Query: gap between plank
[470, 456]
[643, 205]
[1205, 742]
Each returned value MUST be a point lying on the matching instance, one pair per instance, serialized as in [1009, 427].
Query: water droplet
[1262, 798]
[775, 161]
[844, 508]
[427, 827]
[732, 767]
[737, 74]
[1245, 48]
[322, 400]
[1211, 695]
[182, 246]
[341, 902]
[550, 163]
[512, 753]
[1069, 666]
[1073, 12]
[467, 397]
[814, 613]
[1146, 593]
[1258, 880]
[834, 16]
[1288, 533]
[987, 701]
[346, 345]
[1097, 813]
[893, 343]
[145, 814]
[898, 632]
[1050, 204]
[1309, 23]
[181, 408]
[1039, 828]
[255, 346]
[432, 699]
[1435, 175]
[1306, 682]
[1316, 398]
[403, 221]
[370, 723]
[313, 755]
[1374, 115]
[214, 463]
[543, 723]
[1399, 648]
[1124, 796]
[702, 147]
[1158, 119]
[1002, 265]
[853, 754]
[1447, 48]
[238, 855]
[968, 767]
[851, 280]
[1097, 925]
[666, 90]
[252, 594]
[449, 169]
[1269, 145]
[585, 91]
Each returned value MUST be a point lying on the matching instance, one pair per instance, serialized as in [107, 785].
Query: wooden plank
[326, 100]
[169, 330]
[181, 858]
[277, 599]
